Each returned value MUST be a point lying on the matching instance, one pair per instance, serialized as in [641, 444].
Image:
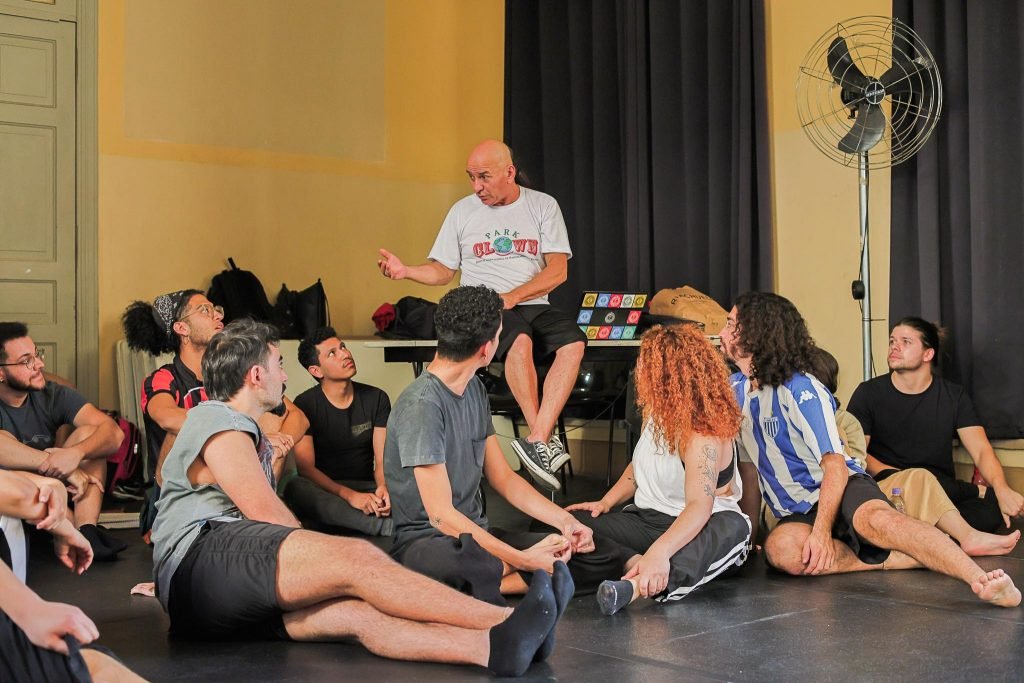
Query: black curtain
[957, 206]
[647, 121]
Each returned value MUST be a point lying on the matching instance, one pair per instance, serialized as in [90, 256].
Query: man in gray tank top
[231, 560]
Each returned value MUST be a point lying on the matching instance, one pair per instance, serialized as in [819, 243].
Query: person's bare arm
[528, 500]
[234, 466]
[819, 553]
[700, 459]
[429, 273]
[379, 437]
[436, 493]
[45, 623]
[554, 273]
[14, 455]
[166, 413]
[623, 490]
[974, 439]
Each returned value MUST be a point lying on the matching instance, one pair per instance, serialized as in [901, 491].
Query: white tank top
[661, 479]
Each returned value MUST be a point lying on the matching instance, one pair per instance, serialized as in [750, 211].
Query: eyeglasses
[28, 361]
[207, 310]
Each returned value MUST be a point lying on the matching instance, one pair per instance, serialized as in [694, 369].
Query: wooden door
[37, 184]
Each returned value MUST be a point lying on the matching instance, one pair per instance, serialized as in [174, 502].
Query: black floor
[757, 626]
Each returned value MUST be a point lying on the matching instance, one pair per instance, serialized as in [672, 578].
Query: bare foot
[980, 543]
[898, 560]
[997, 588]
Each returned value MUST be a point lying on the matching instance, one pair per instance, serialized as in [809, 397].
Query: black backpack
[414, 319]
[241, 294]
[300, 313]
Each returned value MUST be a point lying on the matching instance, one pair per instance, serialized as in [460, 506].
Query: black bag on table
[241, 294]
[300, 313]
[414, 319]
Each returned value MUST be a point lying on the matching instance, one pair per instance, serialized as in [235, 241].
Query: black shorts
[548, 327]
[21, 660]
[860, 488]
[226, 585]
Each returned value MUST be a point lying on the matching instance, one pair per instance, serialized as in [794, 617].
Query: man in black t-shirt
[341, 475]
[32, 409]
[910, 418]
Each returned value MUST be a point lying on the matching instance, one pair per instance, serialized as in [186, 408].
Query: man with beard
[832, 516]
[231, 561]
[32, 409]
[910, 417]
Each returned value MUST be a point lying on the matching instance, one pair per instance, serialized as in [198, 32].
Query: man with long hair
[910, 417]
[684, 526]
[231, 560]
[832, 516]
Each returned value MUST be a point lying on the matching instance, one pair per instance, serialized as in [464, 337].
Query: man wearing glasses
[183, 323]
[32, 409]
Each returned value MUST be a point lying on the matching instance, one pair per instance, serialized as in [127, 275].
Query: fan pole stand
[865, 266]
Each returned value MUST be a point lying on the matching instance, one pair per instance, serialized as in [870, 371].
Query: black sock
[564, 587]
[515, 640]
[613, 596]
[113, 543]
[101, 553]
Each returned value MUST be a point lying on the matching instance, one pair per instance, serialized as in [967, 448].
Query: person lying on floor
[684, 526]
[182, 322]
[441, 443]
[42, 640]
[832, 516]
[33, 411]
[231, 560]
[922, 494]
[341, 456]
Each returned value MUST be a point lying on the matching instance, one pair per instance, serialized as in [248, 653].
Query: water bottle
[897, 500]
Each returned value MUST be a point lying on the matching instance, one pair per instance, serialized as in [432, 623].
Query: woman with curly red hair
[684, 526]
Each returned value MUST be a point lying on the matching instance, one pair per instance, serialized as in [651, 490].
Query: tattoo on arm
[435, 522]
[707, 468]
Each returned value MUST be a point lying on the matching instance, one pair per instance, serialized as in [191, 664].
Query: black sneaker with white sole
[558, 456]
[535, 458]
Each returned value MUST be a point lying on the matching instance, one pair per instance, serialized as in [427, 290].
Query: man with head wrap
[183, 322]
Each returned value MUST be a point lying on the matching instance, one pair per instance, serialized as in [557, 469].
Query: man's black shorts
[21, 660]
[860, 488]
[226, 585]
[549, 328]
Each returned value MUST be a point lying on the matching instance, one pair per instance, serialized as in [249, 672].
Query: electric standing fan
[868, 95]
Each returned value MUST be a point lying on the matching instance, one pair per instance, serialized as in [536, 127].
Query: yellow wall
[815, 200]
[300, 137]
[297, 138]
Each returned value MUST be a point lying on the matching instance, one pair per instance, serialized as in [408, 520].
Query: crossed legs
[87, 509]
[541, 414]
[392, 611]
[913, 542]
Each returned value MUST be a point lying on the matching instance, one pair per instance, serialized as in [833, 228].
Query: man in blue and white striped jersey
[832, 516]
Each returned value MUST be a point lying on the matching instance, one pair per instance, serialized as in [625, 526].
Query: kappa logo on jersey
[805, 396]
[770, 425]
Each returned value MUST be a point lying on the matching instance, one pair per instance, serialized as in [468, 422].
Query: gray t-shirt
[501, 247]
[35, 422]
[183, 508]
[430, 425]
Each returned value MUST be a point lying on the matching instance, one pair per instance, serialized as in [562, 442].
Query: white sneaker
[534, 456]
[559, 456]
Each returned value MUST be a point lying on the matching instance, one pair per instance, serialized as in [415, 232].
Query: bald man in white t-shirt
[513, 239]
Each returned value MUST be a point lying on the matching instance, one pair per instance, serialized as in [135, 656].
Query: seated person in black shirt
[341, 475]
[32, 410]
[910, 418]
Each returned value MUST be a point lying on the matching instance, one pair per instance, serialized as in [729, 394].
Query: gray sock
[613, 596]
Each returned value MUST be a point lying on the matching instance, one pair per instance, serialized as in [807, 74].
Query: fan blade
[842, 68]
[899, 79]
[867, 129]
